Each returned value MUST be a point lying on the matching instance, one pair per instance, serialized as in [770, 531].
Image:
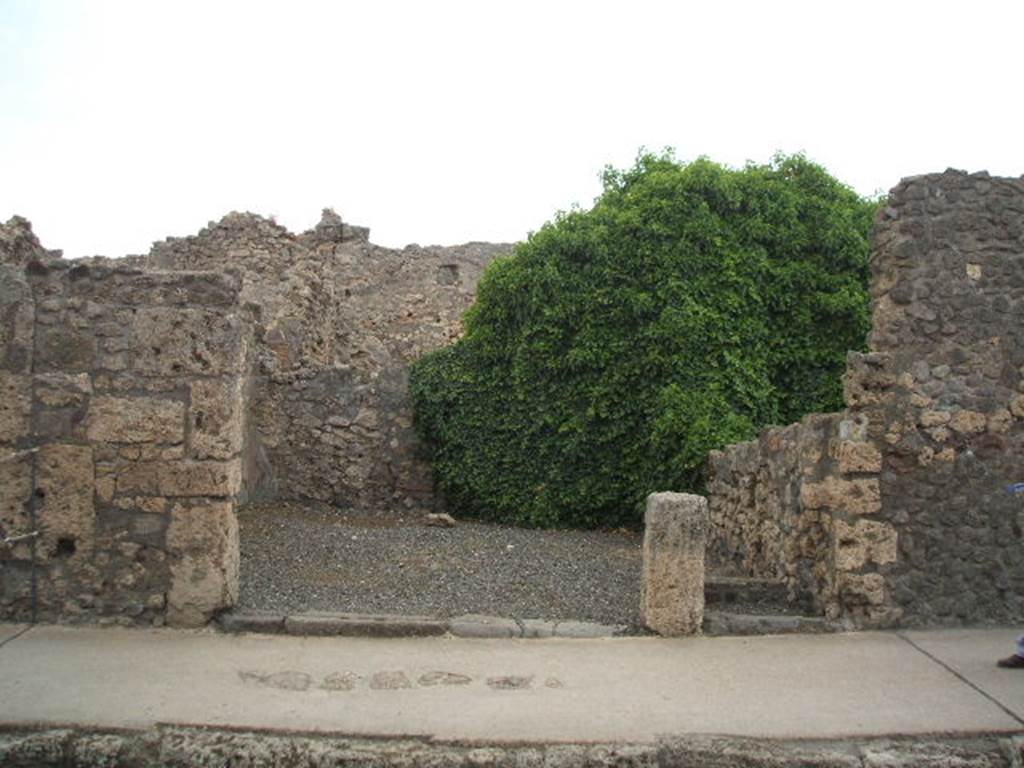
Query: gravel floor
[306, 558]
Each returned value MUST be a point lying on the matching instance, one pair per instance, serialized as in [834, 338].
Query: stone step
[719, 623]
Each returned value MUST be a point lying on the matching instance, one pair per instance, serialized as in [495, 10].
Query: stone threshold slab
[385, 625]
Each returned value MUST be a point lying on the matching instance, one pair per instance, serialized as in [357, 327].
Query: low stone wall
[122, 434]
[760, 524]
[897, 510]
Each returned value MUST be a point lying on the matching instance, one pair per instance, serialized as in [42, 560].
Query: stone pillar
[676, 527]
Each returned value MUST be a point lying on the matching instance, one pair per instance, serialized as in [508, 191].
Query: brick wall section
[907, 489]
[122, 433]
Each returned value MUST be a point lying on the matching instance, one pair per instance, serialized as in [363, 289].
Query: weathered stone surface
[15, 408]
[15, 492]
[17, 317]
[202, 541]
[856, 497]
[135, 420]
[866, 541]
[676, 527]
[476, 626]
[166, 746]
[857, 457]
[59, 347]
[19, 245]
[63, 390]
[217, 417]
[358, 625]
[200, 478]
[64, 491]
[176, 342]
[968, 422]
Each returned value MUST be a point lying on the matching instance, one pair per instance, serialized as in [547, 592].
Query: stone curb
[718, 623]
[170, 746]
[383, 625]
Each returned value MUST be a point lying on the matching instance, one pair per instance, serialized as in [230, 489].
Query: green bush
[691, 305]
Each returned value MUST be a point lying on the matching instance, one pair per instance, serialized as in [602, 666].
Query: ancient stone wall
[142, 398]
[122, 436]
[338, 322]
[898, 510]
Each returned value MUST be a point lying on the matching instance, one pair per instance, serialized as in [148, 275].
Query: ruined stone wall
[338, 322]
[760, 525]
[907, 490]
[142, 398]
[122, 434]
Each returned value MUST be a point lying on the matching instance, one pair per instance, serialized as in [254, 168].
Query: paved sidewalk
[557, 690]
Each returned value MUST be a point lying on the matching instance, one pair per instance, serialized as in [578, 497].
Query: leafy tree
[690, 306]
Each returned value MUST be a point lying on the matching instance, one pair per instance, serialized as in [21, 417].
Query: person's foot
[1011, 662]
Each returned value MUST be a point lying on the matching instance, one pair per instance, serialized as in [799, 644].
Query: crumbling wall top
[19, 244]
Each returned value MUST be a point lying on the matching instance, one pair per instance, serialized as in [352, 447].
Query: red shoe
[1011, 662]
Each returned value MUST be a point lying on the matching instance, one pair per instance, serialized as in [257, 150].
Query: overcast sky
[442, 122]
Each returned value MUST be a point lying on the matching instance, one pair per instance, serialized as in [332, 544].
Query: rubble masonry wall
[897, 510]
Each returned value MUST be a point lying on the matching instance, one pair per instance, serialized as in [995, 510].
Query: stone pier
[676, 527]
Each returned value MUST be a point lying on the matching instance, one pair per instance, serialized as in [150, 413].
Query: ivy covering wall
[690, 306]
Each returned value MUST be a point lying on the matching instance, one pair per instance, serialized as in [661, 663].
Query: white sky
[441, 122]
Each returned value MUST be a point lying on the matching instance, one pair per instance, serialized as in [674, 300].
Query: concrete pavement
[525, 691]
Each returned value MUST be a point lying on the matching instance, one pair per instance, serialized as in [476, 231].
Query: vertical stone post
[676, 527]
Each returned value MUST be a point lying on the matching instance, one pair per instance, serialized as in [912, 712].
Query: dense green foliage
[691, 305]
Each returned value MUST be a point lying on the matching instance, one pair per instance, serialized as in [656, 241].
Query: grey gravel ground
[308, 558]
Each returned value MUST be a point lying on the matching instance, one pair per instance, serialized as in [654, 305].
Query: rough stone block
[968, 422]
[135, 420]
[200, 478]
[63, 390]
[216, 417]
[1017, 406]
[17, 311]
[860, 496]
[934, 418]
[136, 478]
[676, 528]
[15, 407]
[862, 589]
[63, 348]
[64, 487]
[866, 541]
[859, 457]
[202, 541]
[15, 489]
[177, 342]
